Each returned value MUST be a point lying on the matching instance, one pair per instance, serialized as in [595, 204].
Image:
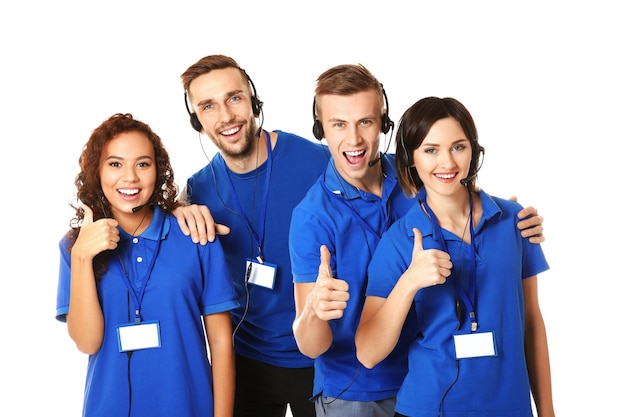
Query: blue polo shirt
[350, 222]
[264, 318]
[187, 282]
[486, 386]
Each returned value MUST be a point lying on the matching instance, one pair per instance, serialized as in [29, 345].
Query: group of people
[330, 278]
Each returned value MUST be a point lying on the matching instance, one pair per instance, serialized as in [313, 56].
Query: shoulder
[314, 197]
[300, 141]
[493, 204]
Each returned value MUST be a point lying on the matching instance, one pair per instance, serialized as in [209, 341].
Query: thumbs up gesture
[428, 267]
[95, 237]
[329, 297]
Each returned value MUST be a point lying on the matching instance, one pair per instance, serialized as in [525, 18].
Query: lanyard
[260, 236]
[467, 297]
[138, 297]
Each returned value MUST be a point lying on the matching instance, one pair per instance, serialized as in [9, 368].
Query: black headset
[386, 122]
[257, 105]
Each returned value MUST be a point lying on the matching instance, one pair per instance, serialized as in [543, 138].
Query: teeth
[445, 176]
[128, 192]
[354, 153]
[231, 131]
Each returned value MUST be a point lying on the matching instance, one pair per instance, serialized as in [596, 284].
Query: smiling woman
[125, 270]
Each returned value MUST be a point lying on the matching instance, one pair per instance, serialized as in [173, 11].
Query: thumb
[87, 215]
[324, 269]
[222, 229]
[417, 241]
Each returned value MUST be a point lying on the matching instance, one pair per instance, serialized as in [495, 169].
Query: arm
[382, 319]
[85, 321]
[536, 348]
[316, 304]
[531, 223]
[218, 329]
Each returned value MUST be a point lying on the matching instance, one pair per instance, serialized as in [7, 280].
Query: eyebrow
[228, 94]
[456, 142]
[139, 158]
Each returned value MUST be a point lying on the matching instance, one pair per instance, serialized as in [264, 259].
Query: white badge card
[263, 274]
[131, 336]
[473, 345]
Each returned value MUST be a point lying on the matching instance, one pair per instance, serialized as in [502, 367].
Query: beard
[241, 150]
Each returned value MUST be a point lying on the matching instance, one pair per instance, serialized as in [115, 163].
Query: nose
[446, 160]
[225, 114]
[353, 135]
[130, 174]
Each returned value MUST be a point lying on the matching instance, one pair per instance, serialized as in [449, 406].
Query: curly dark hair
[88, 186]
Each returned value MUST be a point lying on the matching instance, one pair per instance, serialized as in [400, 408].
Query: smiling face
[223, 103]
[127, 172]
[352, 125]
[444, 158]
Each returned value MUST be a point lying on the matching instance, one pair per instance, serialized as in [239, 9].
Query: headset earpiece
[193, 117]
[257, 105]
[195, 123]
[318, 129]
[386, 123]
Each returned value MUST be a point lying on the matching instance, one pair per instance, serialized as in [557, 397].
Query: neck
[135, 223]
[452, 212]
[371, 182]
[255, 157]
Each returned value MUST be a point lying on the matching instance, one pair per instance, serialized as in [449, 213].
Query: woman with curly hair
[138, 295]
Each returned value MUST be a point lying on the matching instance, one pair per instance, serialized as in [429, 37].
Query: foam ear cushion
[195, 123]
[318, 130]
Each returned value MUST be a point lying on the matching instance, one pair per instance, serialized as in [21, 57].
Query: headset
[257, 105]
[386, 122]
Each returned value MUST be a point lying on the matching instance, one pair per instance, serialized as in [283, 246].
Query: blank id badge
[475, 344]
[146, 335]
[263, 274]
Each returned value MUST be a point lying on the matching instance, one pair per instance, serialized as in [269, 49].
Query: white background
[543, 79]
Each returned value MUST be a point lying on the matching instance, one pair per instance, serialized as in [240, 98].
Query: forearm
[85, 321]
[223, 364]
[379, 331]
[313, 335]
[538, 363]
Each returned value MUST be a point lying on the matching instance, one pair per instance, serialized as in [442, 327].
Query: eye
[144, 164]
[115, 164]
[338, 124]
[208, 107]
[430, 151]
[366, 122]
[235, 99]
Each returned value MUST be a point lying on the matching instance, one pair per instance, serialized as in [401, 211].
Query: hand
[428, 267]
[329, 297]
[197, 221]
[95, 237]
[532, 225]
